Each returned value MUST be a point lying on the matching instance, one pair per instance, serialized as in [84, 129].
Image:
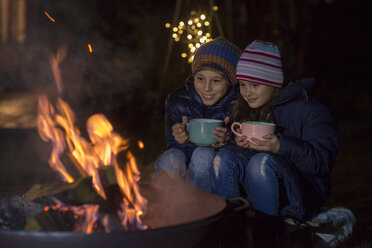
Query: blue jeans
[173, 161]
[200, 173]
[272, 183]
[230, 173]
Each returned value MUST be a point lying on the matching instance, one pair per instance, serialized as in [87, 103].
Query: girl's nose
[246, 91]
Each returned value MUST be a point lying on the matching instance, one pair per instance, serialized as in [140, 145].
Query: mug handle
[233, 129]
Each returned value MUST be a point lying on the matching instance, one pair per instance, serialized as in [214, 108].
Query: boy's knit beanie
[219, 56]
[261, 63]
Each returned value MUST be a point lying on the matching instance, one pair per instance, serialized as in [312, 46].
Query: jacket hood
[232, 94]
[300, 88]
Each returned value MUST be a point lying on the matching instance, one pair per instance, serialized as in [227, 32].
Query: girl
[210, 92]
[287, 173]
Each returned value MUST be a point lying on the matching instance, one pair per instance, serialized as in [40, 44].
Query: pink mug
[254, 129]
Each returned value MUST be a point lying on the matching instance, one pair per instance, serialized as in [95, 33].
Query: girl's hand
[241, 141]
[180, 133]
[271, 143]
[221, 134]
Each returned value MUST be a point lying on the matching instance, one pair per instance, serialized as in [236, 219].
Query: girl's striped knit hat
[219, 56]
[261, 63]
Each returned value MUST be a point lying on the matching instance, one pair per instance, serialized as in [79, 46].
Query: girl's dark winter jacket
[187, 102]
[308, 134]
[309, 141]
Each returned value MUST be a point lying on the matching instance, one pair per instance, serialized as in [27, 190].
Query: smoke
[111, 77]
[172, 202]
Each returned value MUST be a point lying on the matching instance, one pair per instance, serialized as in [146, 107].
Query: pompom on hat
[219, 56]
[261, 63]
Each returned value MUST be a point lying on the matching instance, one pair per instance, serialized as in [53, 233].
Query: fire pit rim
[190, 224]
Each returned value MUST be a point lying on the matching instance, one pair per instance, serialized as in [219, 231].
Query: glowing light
[50, 18]
[90, 48]
[194, 32]
[140, 144]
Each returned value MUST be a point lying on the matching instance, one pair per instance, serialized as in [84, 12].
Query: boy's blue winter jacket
[187, 102]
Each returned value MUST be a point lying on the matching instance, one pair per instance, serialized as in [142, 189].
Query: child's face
[256, 95]
[210, 86]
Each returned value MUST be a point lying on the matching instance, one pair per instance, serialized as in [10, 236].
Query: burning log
[52, 220]
[78, 193]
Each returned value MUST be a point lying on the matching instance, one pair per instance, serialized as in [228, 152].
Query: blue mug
[200, 131]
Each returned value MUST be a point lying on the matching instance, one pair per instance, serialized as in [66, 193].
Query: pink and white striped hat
[261, 63]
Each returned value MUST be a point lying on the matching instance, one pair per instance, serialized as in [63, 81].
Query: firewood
[52, 220]
[76, 193]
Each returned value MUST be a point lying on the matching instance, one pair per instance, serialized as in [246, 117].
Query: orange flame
[50, 18]
[48, 131]
[55, 60]
[58, 126]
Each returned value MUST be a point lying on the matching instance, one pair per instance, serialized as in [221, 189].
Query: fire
[55, 60]
[58, 126]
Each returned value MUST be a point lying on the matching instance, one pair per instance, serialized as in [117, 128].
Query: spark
[90, 48]
[47, 14]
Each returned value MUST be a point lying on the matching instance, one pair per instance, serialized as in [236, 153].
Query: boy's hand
[222, 134]
[271, 143]
[180, 133]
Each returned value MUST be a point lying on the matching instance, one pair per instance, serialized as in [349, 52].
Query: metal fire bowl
[179, 217]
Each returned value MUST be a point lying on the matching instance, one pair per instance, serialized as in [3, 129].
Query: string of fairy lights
[194, 32]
